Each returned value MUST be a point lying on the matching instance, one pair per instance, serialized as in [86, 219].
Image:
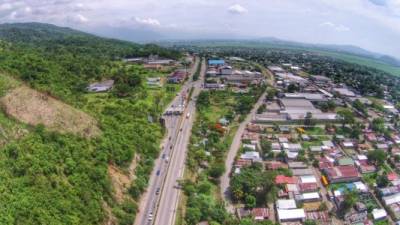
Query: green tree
[250, 201]
[346, 117]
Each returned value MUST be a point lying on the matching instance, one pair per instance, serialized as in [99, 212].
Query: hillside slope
[53, 177]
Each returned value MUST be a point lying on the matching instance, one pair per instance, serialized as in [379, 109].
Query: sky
[370, 24]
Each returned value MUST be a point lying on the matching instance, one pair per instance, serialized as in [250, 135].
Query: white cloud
[147, 21]
[78, 19]
[339, 27]
[237, 9]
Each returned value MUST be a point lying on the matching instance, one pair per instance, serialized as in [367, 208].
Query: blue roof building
[216, 62]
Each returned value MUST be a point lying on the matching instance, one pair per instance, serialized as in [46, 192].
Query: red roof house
[281, 179]
[260, 213]
[340, 174]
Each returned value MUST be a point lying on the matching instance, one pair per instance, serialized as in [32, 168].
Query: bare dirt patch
[121, 180]
[33, 107]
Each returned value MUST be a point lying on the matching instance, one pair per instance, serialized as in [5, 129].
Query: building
[260, 214]
[344, 92]
[154, 82]
[101, 86]
[286, 204]
[341, 174]
[226, 70]
[216, 62]
[291, 215]
[321, 80]
[177, 77]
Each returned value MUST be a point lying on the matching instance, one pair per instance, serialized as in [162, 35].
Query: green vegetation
[209, 143]
[53, 178]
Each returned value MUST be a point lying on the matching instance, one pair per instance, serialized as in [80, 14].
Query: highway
[159, 203]
[166, 213]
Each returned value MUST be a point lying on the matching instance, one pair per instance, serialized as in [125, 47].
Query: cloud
[78, 19]
[147, 21]
[339, 27]
[237, 9]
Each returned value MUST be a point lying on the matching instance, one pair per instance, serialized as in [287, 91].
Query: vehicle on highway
[158, 191]
[166, 159]
[158, 172]
[150, 216]
[163, 156]
[187, 115]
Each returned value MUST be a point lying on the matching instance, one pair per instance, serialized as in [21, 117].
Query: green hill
[51, 177]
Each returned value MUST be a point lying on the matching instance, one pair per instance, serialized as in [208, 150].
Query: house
[321, 80]
[297, 165]
[340, 174]
[291, 215]
[391, 199]
[382, 146]
[345, 161]
[315, 149]
[322, 216]
[101, 86]
[344, 92]
[291, 147]
[282, 179]
[307, 179]
[379, 214]
[309, 197]
[302, 172]
[286, 204]
[308, 187]
[274, 165]
[347, 145]
[154, 81]
[326, 162]
[251, 155]
[260, 214]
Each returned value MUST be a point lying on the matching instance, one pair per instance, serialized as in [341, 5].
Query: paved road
[235, 146]
[150, 200]
[168, 205]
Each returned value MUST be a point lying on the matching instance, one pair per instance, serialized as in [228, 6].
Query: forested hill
[51, 37]
[50, 174]
[47, 56]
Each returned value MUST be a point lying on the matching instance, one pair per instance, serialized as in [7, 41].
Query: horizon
[373, 25]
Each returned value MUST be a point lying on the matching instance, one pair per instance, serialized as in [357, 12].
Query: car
[150, 216]
[180, 129]
[166, 159]
[163, 156]
[170, 138]
[158, 172]
[158, 191]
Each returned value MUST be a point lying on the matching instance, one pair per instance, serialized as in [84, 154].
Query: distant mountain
[349, 49]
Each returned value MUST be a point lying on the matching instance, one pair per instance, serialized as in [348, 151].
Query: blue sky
[371, 24]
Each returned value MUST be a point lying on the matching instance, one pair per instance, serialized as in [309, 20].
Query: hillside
[50, 173]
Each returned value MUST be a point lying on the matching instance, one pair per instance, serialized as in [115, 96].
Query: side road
[233, 150]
